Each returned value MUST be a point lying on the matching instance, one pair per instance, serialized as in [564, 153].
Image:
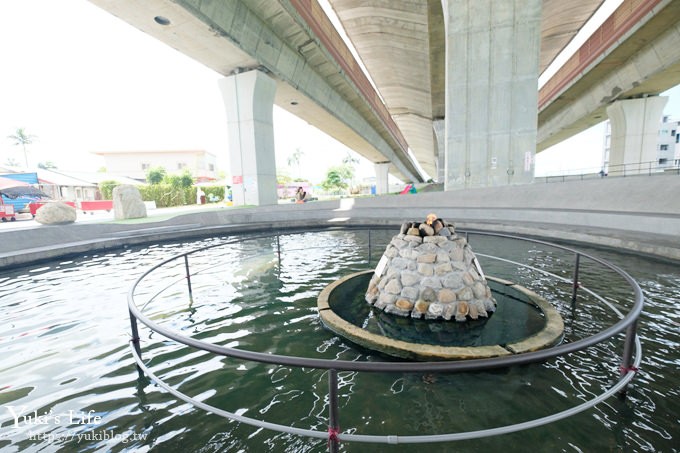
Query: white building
[667, 146]
[135, 164]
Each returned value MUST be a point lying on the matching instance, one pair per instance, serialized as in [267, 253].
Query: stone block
[426, 258]
[421, 307]
[409, 278]
[464, 294]
[128, 203]
[413, 239]
[393, 286]
[479, 290]
[428, 295]
[446, 296]
[404, 304]
[425, 269]
[443, 268]
[434, 311]
[453, 281]
[431, 282]
[410, 292]
[442, 257]
[467, 279]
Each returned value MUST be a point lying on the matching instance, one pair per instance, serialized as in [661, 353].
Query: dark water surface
[68, 380]
[515, 318]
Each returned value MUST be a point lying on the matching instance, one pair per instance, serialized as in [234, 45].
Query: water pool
[66, 359]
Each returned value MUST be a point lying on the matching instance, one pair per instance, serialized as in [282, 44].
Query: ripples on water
[65, 333]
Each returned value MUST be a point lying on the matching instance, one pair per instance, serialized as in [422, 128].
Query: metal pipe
[575, 283]
[135, 335]
[333, 421]
[476, 364]
[278, 249]
[186, 266]
[627, 357]
[369, 246]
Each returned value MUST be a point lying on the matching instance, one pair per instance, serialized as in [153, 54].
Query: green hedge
[164, 195]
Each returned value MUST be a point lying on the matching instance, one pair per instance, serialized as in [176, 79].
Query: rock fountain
[429, 299]
[428, 271]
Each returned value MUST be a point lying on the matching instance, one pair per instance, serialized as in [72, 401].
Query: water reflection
[66, 332]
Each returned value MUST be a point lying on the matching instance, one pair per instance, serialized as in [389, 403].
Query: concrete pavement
[640, 215]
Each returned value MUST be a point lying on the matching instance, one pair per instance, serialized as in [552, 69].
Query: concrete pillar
[249, 100]
[440, 135]
[492, 52]
[634, 134]
[381, 177]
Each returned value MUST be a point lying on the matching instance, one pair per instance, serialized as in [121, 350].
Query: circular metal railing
[630, 361]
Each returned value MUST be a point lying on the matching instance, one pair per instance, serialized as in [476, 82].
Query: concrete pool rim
[550, 335]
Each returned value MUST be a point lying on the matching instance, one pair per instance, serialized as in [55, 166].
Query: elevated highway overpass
[490, 72]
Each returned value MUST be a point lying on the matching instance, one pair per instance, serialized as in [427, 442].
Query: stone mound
[428, 271]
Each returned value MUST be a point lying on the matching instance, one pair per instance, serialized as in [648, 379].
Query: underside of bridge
[403, 46]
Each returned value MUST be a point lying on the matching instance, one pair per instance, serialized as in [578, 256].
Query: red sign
[237, 179]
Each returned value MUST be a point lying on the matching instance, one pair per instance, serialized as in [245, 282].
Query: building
[135, 164]
[667, 148]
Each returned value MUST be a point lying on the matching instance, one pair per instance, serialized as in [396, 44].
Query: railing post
[278, 250]
[188, 275]
[575, 283]
[135, 335]
[627, 358]
[369, 246]
[333, 422]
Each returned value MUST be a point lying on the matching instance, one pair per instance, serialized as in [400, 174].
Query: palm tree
[295, 158]
[349, 161]
[20, 137]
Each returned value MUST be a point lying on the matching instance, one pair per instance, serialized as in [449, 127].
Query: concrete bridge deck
[638, 214]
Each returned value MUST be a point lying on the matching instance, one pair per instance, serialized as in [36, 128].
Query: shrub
[106, 189]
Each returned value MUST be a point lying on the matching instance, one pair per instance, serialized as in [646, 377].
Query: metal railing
[649, 168]
[630, 360]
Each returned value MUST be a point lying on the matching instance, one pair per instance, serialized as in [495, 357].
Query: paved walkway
[623, 214]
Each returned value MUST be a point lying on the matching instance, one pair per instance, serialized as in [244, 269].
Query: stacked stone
[428, 271]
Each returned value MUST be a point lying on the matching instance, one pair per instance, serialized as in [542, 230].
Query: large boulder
[128, 203]
[55, 213]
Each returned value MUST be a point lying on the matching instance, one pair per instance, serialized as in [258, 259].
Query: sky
[82, 81]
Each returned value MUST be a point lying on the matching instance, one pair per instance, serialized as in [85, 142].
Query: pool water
[515, 318]
[67, 373]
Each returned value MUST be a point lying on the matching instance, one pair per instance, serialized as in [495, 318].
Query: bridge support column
[635, 131]
[381, 177]
[249, 101]
[440, 136]
[492, 51]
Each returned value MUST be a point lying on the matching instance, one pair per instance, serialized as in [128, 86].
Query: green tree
[282, 178]
[20, 137]
[185, 179]
[350, 161]
[48, 164]
[336, 178]
[181, 181]
[106, 189]
[155, 175]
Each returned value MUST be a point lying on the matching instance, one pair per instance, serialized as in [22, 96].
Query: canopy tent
[13, 189]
